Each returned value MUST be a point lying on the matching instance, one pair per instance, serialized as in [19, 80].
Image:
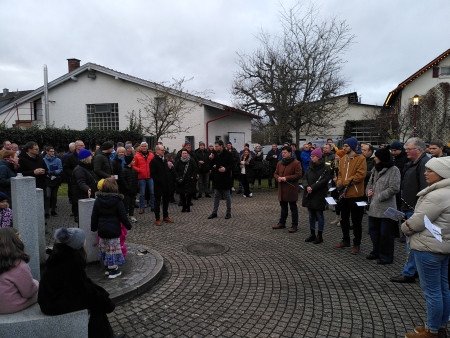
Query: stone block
[23, 195]
[40, 221]
[31, 322]
[84, 215]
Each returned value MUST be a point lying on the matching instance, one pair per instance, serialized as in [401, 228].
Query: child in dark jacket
[107, 214]
[128, 183]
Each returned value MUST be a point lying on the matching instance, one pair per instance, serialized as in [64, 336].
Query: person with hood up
[107, 214]
[315, 183]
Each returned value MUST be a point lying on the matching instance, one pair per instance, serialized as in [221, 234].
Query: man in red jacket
[142, 166]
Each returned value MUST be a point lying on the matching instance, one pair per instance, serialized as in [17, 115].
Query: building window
[151, 141]
[103, 116]
[445, 71]
[191, 139]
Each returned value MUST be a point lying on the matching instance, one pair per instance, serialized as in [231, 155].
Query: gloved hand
[340, 188]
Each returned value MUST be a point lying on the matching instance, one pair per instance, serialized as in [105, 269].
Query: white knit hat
[440, 165]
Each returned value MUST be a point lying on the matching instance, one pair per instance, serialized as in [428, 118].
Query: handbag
[180, 180]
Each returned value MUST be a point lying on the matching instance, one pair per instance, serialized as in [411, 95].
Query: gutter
[217, 118]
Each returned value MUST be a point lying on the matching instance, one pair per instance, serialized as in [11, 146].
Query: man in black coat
[222, 163]
[202, 155]
[163, 187]
[69, 163]
[102, 163]
[31, 164]
[272, 158]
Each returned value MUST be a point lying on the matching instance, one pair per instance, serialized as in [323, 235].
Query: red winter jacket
[142, 165]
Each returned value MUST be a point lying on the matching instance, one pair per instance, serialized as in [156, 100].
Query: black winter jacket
[65, 287]
[29, 164]
[202, 155]
[128, 181]
[414, 181]
[102, 166]
[70, 163]
[222, 180]
[162, 177]
[107, 214]
[273, 161]
[188, 185]
[83, 179]
[400, 161]
[316, 177]
[117, 165]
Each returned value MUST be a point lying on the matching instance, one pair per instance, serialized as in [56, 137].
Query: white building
[98, 97]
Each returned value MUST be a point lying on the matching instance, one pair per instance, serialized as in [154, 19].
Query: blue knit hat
[3, 196]
[396, 146]
[352, 143]
[84, 153]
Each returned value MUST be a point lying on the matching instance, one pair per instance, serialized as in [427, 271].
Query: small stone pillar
[24, 200]
[84, 216]
[40, 222]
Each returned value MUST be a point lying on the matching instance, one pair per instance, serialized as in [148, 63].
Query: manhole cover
[205, 249]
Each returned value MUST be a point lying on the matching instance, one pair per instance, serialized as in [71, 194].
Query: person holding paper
[352, 171]
[382, 187]
[431, 250]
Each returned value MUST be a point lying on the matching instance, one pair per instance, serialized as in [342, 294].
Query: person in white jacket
[431, 246]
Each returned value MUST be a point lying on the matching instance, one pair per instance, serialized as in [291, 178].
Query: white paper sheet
[435, 231]
[394, 214]
[330, 200]
[301, 186]
[361, 204]
[331, 189]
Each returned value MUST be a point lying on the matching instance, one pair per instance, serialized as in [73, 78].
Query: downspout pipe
[217, 118]
[47, 114]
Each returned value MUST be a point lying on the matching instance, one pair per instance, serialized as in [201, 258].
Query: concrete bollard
[40, 221]
[84, 216]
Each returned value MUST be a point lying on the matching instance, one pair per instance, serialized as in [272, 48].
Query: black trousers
[128, 201]
[350, 209]
[165, 203]
[271, 171]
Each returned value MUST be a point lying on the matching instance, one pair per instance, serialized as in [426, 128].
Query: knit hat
[396, 146]
[73, 237]
[352, 143]
[128, 146]
[107, 146]
[440, 165]
[128, 159]
[201, 143]
[3, 196]
[210, 145]
[84, 153]
[186, 143]
[229, 143]
[383, 154]
[340, 153]
[317, 152]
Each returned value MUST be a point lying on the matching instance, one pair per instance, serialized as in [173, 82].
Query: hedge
[61, 137]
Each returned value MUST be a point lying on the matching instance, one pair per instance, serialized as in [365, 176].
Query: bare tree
[292, 78]
[164, 112]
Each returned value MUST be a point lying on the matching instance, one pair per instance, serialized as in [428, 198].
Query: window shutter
[435, 72]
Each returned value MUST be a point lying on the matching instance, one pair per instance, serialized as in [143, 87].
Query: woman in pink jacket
[18, 289]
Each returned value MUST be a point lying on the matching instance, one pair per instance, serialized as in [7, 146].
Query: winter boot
[312, 236]
[319, 238]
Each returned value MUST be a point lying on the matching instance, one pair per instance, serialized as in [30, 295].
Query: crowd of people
[412, 179]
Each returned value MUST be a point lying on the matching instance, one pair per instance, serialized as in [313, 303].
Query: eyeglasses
[428, 171]
[409, 149]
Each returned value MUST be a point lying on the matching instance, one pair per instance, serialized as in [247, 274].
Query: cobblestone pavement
[270, 283]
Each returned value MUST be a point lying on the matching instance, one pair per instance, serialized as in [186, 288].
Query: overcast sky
[158, 40]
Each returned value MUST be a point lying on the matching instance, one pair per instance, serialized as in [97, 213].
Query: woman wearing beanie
[65, 287]
[315, 183]
[384, 184]
[84, 181]
[432, 248]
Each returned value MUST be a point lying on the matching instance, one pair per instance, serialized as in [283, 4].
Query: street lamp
[416, 104]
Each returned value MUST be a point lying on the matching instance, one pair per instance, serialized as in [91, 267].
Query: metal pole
[415, 120]
[47, 116]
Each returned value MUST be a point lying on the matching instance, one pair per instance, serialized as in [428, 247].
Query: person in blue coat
[305, 157]
[52, 180]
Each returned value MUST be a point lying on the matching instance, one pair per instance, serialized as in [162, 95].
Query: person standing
[431, 251]
[142, 166]
[236, 168]
[8, 169]
[350, 183]
[413, 182]
[102, 163]
[305, 157]
[382, 187]
[287, 173]
[202, 155]
[69, 163]
[84, 181]
[186, 173]
[272, 158]
[52, 180]
[400, 159]
[162, 178]
[315, 183]
[128, 186]
[367, 150]
[222, 163]
[258, 167]
[31, 164]
[246, 164]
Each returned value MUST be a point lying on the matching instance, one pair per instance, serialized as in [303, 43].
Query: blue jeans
[143, 183]
[313, 214]
[409, 268]
[382, 233]
[433, 274]
[284, 212]
[217, 195]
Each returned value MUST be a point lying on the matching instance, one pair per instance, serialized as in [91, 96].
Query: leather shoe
[168, 220]
[341, 245]
[371, 257]
[383, 262]
[292, 230]
[227, 216]
[279, 226]
[158, 222]
[355, 250]
[212, 216]
[403, 279]
[141, 211]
